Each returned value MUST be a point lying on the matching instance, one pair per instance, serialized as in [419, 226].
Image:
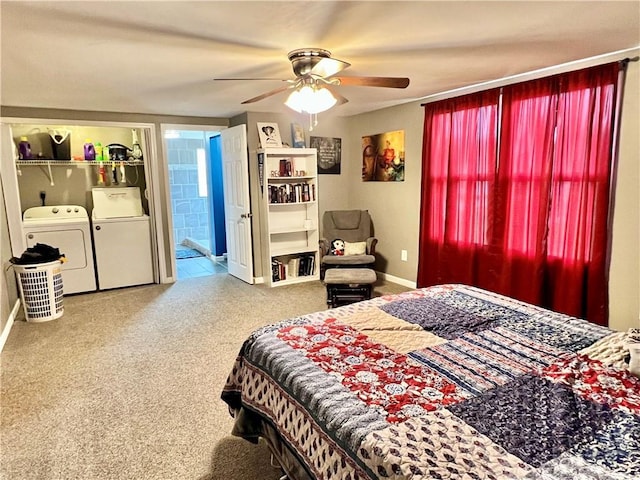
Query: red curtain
[522, 205]
[536, 229]
[458, 178]
[578, 234]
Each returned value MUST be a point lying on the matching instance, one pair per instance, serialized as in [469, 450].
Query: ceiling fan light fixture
[310, 100]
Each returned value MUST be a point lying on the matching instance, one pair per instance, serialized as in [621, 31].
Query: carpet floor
[126, 384]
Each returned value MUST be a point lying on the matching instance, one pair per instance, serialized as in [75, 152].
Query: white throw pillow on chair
[355, 248]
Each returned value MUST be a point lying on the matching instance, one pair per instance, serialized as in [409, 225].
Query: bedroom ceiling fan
[316, 78]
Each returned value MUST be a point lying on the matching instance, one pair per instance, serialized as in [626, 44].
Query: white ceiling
[161, 56]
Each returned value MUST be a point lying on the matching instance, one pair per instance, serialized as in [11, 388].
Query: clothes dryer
[67, 228]
[122, 238]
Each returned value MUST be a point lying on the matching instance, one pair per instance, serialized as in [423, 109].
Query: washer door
[71, 243]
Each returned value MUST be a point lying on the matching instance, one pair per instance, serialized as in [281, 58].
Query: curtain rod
[623, 61]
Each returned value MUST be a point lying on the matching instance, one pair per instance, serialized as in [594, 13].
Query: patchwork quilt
[446, 382]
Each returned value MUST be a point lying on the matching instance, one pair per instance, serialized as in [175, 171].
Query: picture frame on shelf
[269, 134]
[297, 136]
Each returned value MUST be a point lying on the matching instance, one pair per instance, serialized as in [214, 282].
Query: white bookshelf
[289, 189]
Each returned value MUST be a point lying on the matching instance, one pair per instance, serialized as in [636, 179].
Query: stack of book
[292, 193]
[299, 266]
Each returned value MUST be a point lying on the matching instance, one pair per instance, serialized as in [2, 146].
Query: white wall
[624, 274]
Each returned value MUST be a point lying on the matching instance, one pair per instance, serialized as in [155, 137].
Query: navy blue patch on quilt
[451, 315]
[533, 418]
[559, 330]
[617, 447]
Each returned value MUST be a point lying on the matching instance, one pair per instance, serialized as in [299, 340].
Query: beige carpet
[126, 384]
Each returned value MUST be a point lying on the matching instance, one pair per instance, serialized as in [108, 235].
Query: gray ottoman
[348, 285]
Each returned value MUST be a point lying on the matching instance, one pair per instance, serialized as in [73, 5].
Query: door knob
[30, 236]
[246, 215]
[98, 227]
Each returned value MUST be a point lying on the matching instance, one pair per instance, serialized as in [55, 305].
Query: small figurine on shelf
[136, 151]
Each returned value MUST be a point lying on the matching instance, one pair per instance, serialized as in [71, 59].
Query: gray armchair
[351, 226]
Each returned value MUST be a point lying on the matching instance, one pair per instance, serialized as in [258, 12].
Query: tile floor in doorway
[199, 267]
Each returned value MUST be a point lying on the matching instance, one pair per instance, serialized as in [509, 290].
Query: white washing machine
[65, 227]
[121, 237]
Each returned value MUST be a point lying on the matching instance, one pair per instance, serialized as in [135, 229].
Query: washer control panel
[55, 212]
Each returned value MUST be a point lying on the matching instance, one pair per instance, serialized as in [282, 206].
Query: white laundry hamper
[41, 290]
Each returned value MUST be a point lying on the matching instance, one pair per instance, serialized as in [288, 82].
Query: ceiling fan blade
[268, 94]
[253, 78]
[328, 66]
[389, 82]
[340, 99]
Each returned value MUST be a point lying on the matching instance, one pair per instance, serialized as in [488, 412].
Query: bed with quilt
[446, 382]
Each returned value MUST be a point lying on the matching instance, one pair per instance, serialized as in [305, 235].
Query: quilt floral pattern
[380, 377]
[509, 391]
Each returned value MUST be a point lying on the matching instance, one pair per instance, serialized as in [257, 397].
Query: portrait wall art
[383, 157]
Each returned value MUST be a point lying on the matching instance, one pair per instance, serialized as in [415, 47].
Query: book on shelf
[292, 193]
[294, 266]
[279, 270]
[285, 168]
[298, 266]
[307, 265]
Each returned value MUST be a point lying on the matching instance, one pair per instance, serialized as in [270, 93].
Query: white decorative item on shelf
[289, 214]
[136, 151]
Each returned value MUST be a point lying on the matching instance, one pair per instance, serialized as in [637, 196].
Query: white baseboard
[7, 327]
[400, 281]
[257, 280]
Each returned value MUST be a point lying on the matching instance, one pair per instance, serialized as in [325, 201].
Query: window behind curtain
[533, 223]
[458, 181]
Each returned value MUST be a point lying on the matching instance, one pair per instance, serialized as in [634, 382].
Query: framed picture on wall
[383, 157]
[329, 154]
[297, 135]
[269, 135]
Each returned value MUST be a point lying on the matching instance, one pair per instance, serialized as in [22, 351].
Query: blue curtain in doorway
[219, 246]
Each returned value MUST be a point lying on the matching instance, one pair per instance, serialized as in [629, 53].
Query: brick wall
[190, 212]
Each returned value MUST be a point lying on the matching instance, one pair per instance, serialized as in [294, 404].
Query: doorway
[195, 183]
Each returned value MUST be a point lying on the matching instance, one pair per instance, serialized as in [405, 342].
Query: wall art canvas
[329, 154]
[383, 157]
[269, 135]
[297, 135]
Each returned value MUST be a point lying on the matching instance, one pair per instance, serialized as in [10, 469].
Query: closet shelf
[53, 162]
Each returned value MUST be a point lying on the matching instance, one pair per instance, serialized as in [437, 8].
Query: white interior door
[237, 209]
